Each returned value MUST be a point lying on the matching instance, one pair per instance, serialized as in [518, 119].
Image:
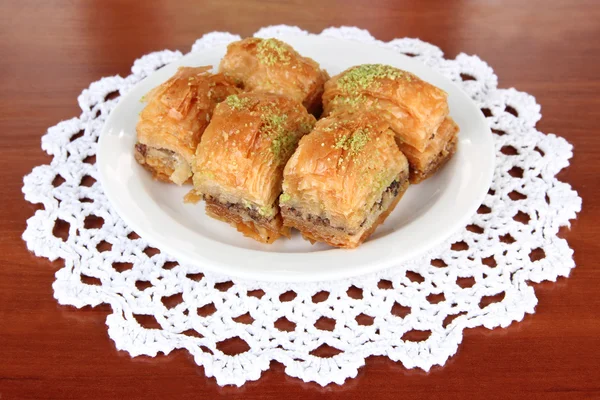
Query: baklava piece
[171, 124]
[272, 66]
[344, 179]
[238, 167]
[416, 111]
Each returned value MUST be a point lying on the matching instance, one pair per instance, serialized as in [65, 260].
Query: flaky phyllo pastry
[344, 179]
[171, 124]
[416, 111]
[238, 167]
[272, 66]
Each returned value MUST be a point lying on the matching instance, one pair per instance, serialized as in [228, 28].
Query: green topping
[359, 140]
[331, 127]
[283, 140]
[355, 143]
[272, 51]
[363, 76]
[307, 126]
[340, 143]
[265, 211]
[352, 101]
[237, 103]
[283, 145]
[285, 197]
[273, 121]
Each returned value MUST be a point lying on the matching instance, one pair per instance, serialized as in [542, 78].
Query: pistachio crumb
[273, 51]
[363, 76]
[284, 197]
[340, 142]
[237, 103]
[355, 143]
[283, 139]
[307, 126]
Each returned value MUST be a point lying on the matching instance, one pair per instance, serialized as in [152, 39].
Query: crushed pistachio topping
[283, 140]
[331, 127]
[272, 51]
[340, 142]
[363, 76]
[237, 103]
[307, 126]
[351, 101]
[353, 144]
[273, 121]
[285, 197]
[359, 140]
[283, 145]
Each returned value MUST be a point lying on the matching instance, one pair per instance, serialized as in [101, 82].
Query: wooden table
[51, 50]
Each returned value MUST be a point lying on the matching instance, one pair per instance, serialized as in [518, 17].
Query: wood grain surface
[51, 50]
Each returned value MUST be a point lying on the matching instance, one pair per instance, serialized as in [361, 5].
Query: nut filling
[249, 212]
[389, 194]
[164, 164]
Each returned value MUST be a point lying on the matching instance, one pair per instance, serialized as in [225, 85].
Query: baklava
[439, 150]
[272, 66]
[416, 111]
[344, 179]
[176, 114]
[238, 167]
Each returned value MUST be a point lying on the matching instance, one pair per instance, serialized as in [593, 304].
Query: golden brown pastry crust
[162, 164]
[336, 237]
[272, 66]
[413, 107]
[440, 150]
[239, 162]
[171, 124]
[339, 174]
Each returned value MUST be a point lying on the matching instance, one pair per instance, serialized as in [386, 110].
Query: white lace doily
[414, 313]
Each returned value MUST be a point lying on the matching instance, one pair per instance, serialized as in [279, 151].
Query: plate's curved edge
[238, 264]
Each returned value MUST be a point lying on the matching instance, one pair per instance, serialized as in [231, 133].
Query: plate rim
[223, 266]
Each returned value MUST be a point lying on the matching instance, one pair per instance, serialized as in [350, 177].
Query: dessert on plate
[171, 124]
[344, 179]
[416, 111]
[247, 139]
[238, 166]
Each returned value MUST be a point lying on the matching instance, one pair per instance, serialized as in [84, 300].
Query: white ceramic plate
[427, 214]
